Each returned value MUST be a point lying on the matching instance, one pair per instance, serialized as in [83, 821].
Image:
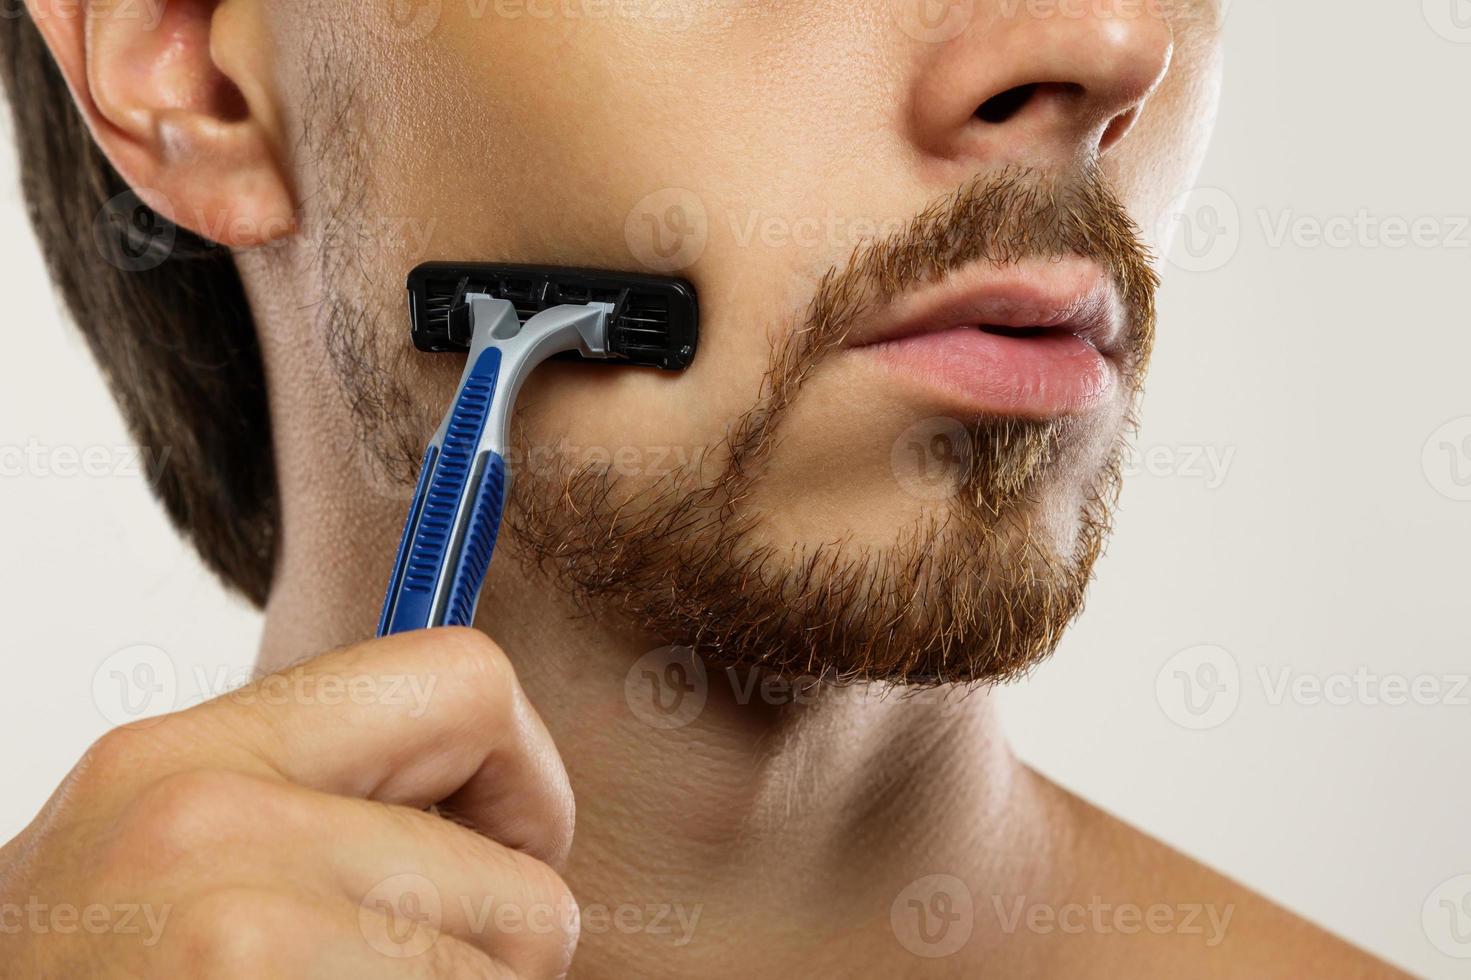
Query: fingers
[527, 932]
[413, 720]
[410, 865]
[284, 826]
[257, 932]
[201, 834]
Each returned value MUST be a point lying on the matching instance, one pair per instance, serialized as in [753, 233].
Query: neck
[743, 806]
[708, 808]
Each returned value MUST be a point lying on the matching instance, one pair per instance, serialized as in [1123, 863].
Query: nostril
[1118, 128]
[999, 108]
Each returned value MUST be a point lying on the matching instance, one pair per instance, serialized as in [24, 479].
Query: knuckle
[237, 933]
[116, 756]
[180, 812]
[470, 662]
[468, 650]
[127, 757]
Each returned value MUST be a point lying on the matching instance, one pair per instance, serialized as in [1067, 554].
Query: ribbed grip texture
[480, 535]
[426, 545]
[426, 469]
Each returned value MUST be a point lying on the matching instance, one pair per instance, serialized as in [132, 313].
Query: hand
[281, 831]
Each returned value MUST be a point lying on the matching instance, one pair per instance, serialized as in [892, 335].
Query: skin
[793, 823]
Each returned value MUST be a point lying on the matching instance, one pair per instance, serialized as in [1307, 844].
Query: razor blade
[508, 319]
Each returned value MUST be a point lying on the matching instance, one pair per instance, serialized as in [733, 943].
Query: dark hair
[165, 315]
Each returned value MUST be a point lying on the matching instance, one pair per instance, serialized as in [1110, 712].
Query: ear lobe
[177, 94]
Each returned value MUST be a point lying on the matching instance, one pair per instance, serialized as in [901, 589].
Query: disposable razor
[509, 318]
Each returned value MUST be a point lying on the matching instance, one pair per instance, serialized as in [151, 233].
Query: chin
[974, 587]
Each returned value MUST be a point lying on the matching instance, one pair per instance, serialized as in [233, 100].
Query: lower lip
[980, 373]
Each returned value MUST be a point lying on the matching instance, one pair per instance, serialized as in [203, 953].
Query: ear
[178, 95]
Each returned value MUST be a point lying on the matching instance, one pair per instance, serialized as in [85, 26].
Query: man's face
[875, 468]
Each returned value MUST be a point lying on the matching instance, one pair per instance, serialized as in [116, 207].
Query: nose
[1040, 83]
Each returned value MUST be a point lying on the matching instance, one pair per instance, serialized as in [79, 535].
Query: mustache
[1002, 217]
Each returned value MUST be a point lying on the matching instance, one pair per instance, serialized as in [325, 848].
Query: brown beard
[975, 593]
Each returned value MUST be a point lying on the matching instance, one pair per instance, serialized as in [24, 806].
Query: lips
[1037, 339]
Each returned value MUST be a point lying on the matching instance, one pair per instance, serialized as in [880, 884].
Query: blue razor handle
[442, 560]
[455, 516]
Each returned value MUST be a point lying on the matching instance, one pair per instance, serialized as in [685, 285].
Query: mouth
[1036, 339]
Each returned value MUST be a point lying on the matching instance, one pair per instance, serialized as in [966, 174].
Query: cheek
[642, 142]
[551, 138]
[536, 139]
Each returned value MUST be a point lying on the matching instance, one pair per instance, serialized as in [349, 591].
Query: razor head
[655, 320]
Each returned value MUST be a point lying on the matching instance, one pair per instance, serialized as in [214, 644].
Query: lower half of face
[923, 330]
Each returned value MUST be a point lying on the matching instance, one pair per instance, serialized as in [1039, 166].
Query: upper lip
[1069, 295]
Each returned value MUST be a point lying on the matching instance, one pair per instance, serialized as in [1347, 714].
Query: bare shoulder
[1132, 906]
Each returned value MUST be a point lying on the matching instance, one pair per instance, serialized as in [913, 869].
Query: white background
[1294, 518]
